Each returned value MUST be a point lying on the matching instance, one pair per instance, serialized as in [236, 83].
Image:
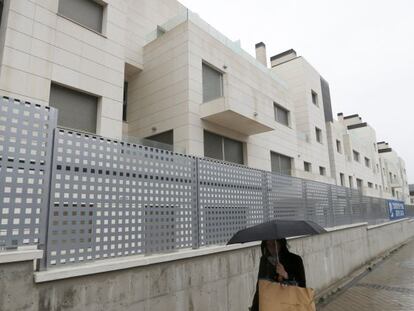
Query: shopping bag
[277, 297]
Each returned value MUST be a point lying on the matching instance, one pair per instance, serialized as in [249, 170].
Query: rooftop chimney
[282, 57]
[261, 53]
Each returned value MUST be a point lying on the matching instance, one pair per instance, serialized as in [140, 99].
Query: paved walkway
[389, 287]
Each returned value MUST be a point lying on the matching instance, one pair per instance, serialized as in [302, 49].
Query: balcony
[219, 112]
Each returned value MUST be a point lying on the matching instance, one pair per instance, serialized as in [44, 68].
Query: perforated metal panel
[26, 132]
[341, 207]
[318, 196]
[112, 198]
[286, 197]
[230, 199]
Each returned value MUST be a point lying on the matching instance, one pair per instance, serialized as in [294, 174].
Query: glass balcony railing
[235, 46]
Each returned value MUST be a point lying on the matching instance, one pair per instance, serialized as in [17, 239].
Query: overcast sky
[364, 48]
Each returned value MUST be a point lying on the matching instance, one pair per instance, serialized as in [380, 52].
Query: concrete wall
[221, 280]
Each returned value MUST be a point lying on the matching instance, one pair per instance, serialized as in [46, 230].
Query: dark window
[280, 163]
[315, 98]
[281, 114]
[322, 171]
[85, 12]
[307, 166]
[370, 185]
[125, 102]
[76, 110]
[318, 133]
[356, 155]
[223, 148]
[212, 83]
[338, 146]
[359, 183]
[342, 177]
[163, 138]
[367, 162]
[351, 182]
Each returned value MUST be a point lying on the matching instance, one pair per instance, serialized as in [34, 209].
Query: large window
[76, 110]
[281, 114]
[367, 162]
[88, 13]
[212, 83]
[280, 163]
[223, 148]
[322, 171]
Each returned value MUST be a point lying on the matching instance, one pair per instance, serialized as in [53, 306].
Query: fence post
[305, 200]
[42, 263]
[331, 209]
[266, 188]
[196, 238]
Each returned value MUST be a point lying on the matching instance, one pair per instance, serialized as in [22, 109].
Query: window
[370, 185]
[281, 114]
[338, 146]
[280, 163]
[359, 183]
[85, 12]
[307, 166]
[318, 133]
[351, 182]
[390, 177]
[367, 162]
[356, 155]
[125, 102]
[76, 110]
[376, 186]
[342, 178]
[212, 83]
[166, 139]
[223, 148]
[315, 98]
[322, 171]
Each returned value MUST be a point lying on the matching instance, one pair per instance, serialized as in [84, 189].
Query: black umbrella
[276, 229]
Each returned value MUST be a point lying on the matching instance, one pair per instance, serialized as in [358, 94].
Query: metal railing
[82, 197]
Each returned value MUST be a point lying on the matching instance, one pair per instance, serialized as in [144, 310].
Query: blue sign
[396, 209]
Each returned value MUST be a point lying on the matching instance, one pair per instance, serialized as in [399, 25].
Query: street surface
[388, 287]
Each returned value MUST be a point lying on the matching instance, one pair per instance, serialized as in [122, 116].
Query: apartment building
[77, 55]
[153, 69]
[393, 172]
[411, 189]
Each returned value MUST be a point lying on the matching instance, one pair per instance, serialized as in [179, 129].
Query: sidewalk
[389, 287]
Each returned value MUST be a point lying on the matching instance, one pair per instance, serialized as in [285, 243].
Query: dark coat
[293, 265]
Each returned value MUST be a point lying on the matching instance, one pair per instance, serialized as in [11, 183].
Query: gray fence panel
[341, 210]
[112, 198]
[317, 198]
[26, 132]
[286, 198]
[230, 199]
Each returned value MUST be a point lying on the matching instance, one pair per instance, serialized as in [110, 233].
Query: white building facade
[152, 69]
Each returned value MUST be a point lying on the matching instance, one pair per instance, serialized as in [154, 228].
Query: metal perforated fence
[110, 198]
[83, 197]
